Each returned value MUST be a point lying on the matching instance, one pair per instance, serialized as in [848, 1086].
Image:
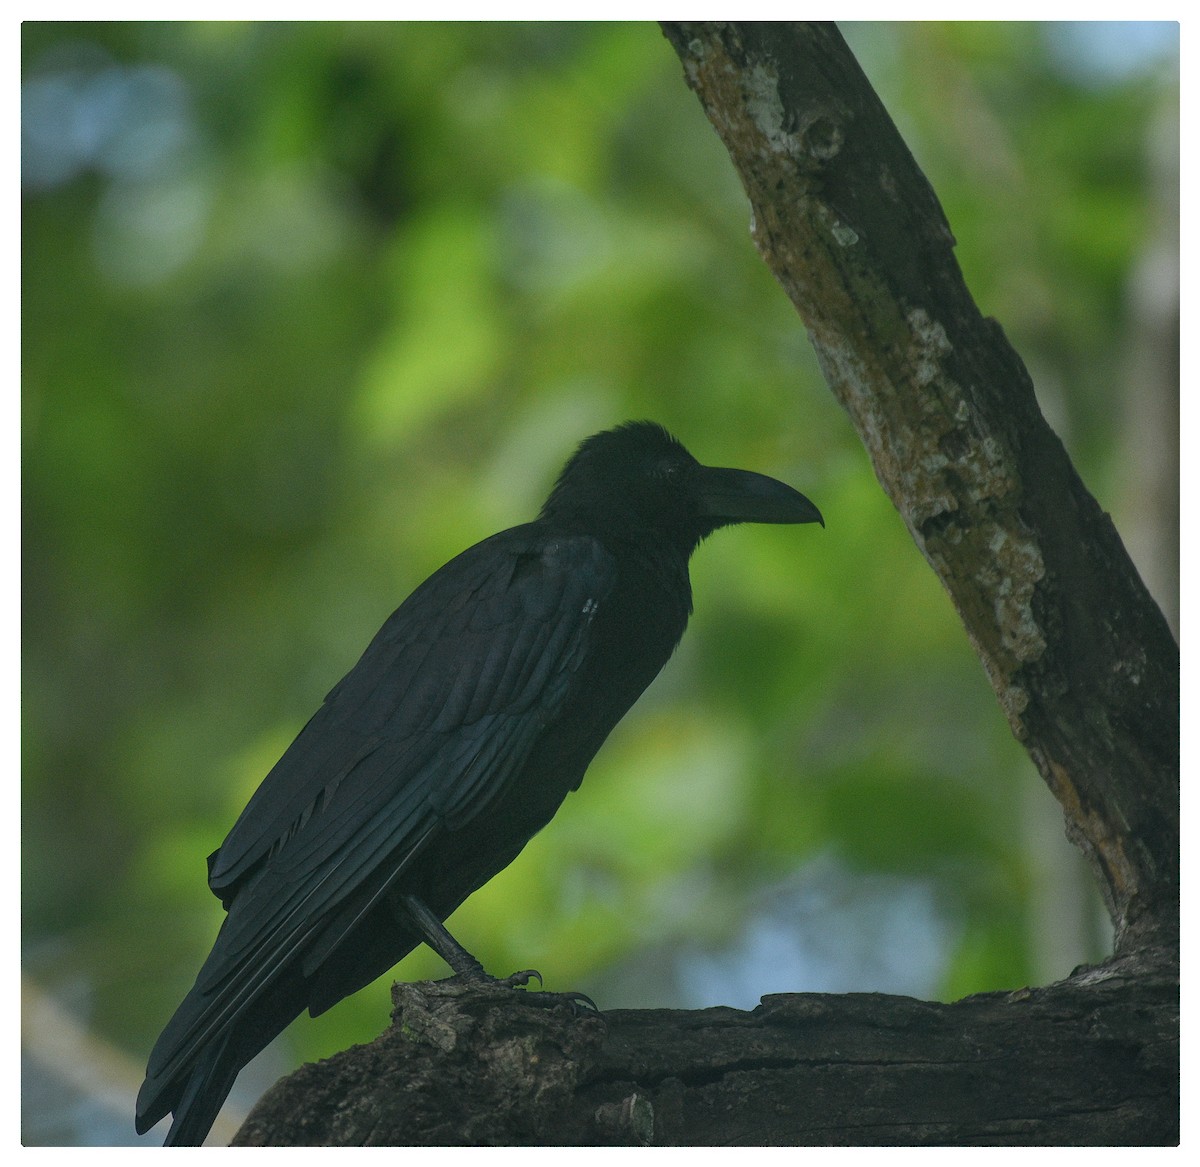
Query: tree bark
[1081, 659]
[1092, 1061]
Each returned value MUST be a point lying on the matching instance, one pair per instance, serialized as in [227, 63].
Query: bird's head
[637, 480]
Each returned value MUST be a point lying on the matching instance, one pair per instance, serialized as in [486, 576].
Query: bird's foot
[580, 1003]
[476, 974]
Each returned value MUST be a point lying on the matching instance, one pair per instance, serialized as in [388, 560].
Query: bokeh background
[308, 308]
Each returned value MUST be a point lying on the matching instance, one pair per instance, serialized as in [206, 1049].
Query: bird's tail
[198, 1100]
[203, 1095]
[198, 1056]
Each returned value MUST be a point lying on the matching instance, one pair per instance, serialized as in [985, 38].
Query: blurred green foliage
[308, 308]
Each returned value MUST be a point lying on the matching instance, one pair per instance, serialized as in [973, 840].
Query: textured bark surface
[1080, 657]
[1091, 1061]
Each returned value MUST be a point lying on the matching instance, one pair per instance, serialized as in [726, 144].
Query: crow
[454, 739]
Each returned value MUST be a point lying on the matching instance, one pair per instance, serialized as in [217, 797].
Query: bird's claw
[519, 980]
[580, 1004]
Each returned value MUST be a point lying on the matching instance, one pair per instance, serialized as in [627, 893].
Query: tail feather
[203, 1095]
[192, 1079]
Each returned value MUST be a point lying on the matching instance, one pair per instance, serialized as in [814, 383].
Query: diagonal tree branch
[1080, 657]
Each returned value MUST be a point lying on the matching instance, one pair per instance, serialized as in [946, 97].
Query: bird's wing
[422, 734]
[480, 655]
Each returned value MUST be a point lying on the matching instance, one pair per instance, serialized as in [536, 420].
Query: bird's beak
[740, 496]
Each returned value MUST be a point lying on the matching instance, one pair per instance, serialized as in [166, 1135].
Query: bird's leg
[467, 968]
[436, 935]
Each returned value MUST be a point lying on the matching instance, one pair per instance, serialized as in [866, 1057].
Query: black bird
[455, 738]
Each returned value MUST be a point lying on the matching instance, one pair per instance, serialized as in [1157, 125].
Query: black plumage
[454, 739]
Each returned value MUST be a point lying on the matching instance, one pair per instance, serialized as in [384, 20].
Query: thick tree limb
[1081, 658]
[1076, 1063]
